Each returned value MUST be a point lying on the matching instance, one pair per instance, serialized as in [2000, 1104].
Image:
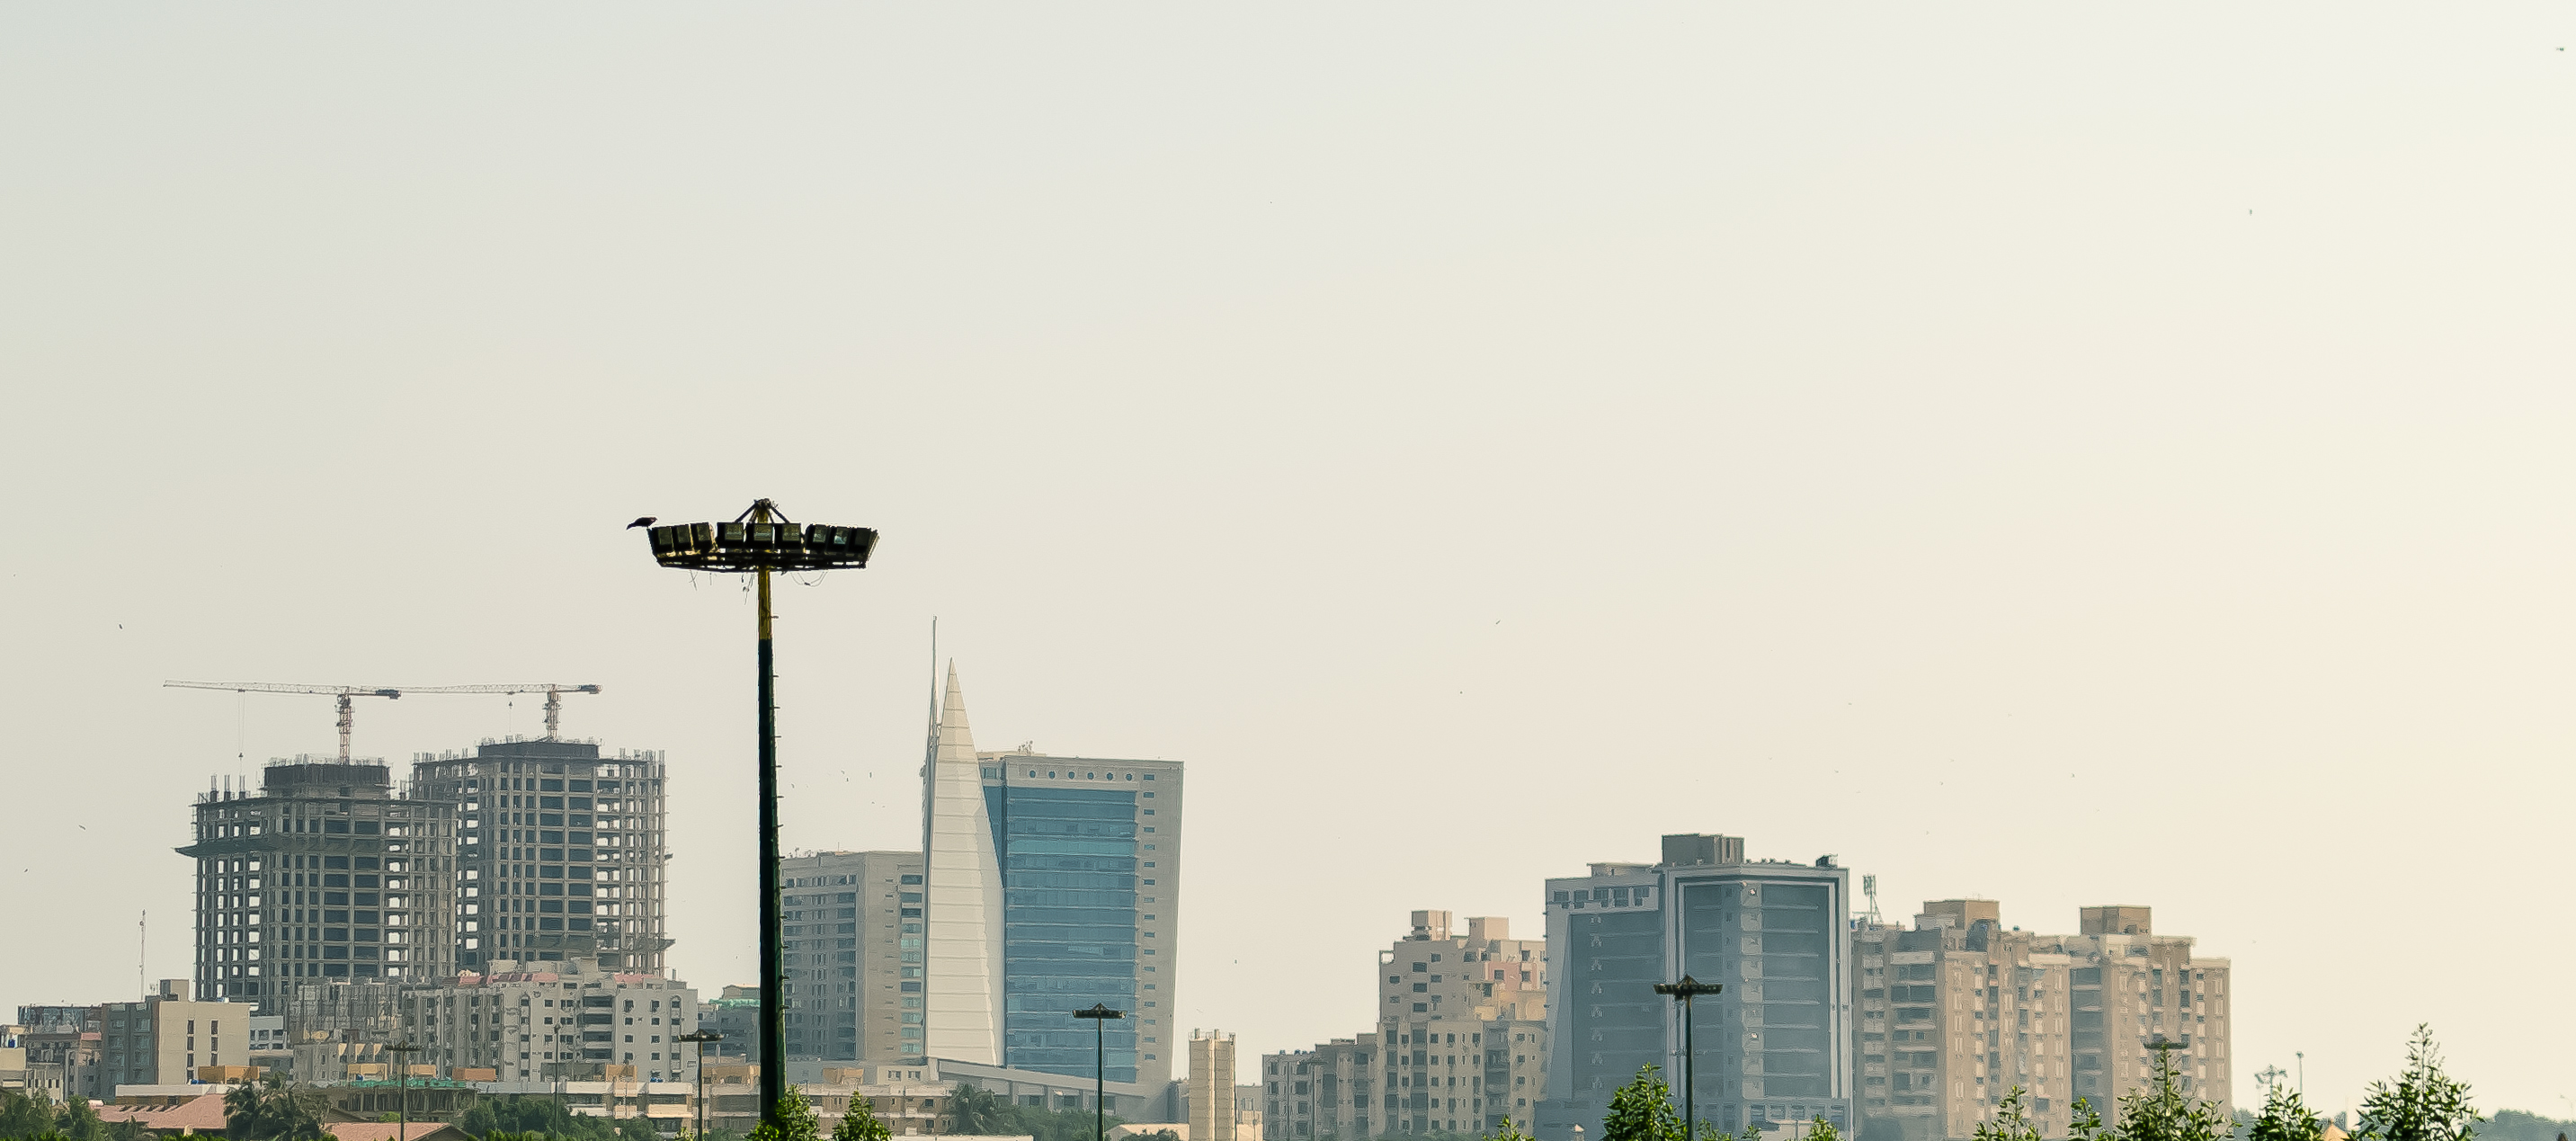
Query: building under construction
[560, 852]
[327, 873]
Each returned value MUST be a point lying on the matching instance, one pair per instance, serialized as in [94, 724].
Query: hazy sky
[2064, 454]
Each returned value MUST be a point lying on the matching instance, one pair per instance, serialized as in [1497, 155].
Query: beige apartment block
[164, 1038]
[1461, 1042]
[551, 1021]
[1957, 1011]
[1212, 1088]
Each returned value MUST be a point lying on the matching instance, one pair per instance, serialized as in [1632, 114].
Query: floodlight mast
[759, 541]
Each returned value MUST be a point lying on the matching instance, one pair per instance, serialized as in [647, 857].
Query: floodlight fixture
[760, 542]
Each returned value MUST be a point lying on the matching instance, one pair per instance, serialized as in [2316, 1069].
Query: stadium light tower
[760, 542]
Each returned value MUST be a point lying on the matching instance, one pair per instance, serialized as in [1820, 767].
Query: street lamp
[402, 1084]
[1683, 992]
[701, 1037]
[1100, 1014]
[762, 541]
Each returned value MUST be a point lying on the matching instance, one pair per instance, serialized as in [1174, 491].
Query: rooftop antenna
[1869, 887]
[930, 742]
[142, 940]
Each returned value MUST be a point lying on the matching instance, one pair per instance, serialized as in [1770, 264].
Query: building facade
[852, 948]
[1053, 883]
[1211, 1092]
[1332, 1090]
[72, 1038]
[1774, 1045]
[164, 1039]
[551, 1021]
[1465, 1015]
[1955, 1013]
[560, 852]
[325, 872]
[734, 1013]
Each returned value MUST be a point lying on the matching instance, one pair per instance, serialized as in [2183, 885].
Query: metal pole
[702, 1089]
[1100, 1079]
[1690, 1074]
[773, 1070]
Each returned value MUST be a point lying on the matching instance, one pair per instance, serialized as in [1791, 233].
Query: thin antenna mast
[142, 946]
[1869, 887]
[930, 749]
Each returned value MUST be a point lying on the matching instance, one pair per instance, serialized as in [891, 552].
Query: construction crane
[554, 697]
[343, 692]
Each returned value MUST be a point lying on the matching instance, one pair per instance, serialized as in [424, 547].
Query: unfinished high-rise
[560, 852]
[1955, 1013]
[324, 872]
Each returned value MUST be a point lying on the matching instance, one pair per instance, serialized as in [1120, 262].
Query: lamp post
[759, 542]
[701, 1037]
[402, 1084]
[1100, 1014]
[1683, 992]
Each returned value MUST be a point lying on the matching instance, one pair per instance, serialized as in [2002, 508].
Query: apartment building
[1954, 1013]
[560, 852]
[1465, 1018]
[851, 943]
[69, 1037]
[552, 1021]
[1460, 1044]
[1774, 1045]
[326, 872]
[164, 1039]
[1332, 1090]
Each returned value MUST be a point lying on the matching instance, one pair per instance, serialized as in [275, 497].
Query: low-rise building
[164, 1038]
[555, 1021]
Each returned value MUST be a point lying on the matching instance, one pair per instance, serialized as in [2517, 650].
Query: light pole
[1100, 1014]
[701, 1037]
[758, 542]
[1683, 992]
[402, 1084]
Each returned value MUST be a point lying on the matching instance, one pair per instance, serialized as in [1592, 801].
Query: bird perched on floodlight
[645, 521]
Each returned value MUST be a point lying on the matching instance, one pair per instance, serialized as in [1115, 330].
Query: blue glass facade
[1614, 1017]
[1069, 864]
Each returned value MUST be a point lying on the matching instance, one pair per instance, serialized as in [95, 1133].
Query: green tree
[2084, 1123]
[795, 1120]
[2422, 1104]
[2285, 1118]
[271, 1109]
[1509, 1131]
[1823, 1130]
[2161, 1111]
[1642, 1110]
[79, 1121]
[861, 1124]
[23, 1116]
[976, 1111]
[2011, 1121]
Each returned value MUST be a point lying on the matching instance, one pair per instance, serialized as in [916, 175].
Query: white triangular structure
[964, 886]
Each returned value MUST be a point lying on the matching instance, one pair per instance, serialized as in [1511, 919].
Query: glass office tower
[1054, 885]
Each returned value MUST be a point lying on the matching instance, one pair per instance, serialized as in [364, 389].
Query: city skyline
[2052, 457]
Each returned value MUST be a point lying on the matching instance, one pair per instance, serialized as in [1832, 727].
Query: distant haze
[2066, 455]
